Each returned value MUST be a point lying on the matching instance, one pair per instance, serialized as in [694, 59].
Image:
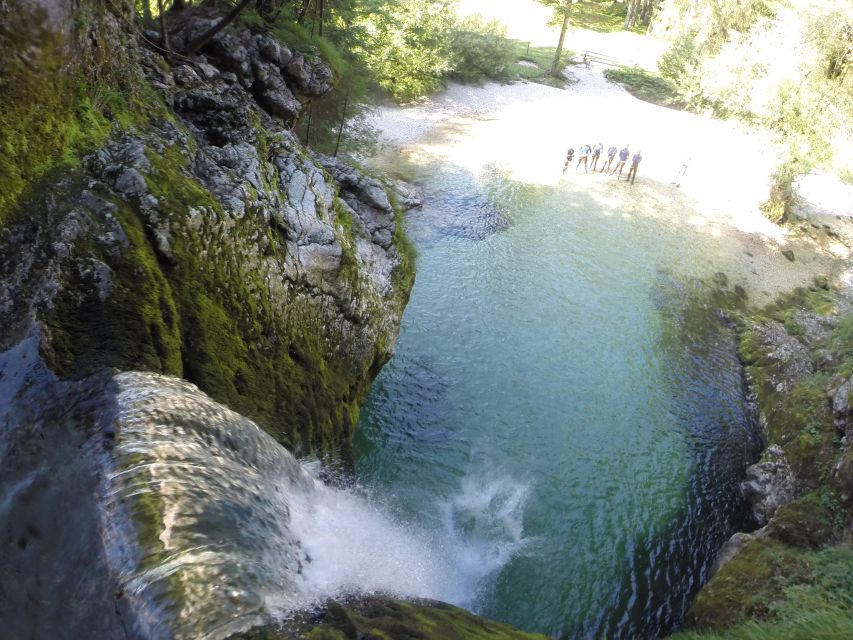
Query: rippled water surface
[558, 418]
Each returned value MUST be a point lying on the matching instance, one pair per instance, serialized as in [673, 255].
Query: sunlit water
[560, 419]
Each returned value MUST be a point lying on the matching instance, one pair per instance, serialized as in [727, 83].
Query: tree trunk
[146, 10]
[631, 16]
[306, 4]
[320, 8]
[164, 32]
[555, 67]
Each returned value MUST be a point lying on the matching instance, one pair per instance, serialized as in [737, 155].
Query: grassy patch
[604, 16]
[801, 595]
[645, 85]
[534, 63]
[810, 522]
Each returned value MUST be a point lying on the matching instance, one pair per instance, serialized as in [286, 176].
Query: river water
[563, 419]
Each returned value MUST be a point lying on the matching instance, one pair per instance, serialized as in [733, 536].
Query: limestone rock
[791, 359]
[769, 484]
[273, 92]
[730, 549]
[840, 396]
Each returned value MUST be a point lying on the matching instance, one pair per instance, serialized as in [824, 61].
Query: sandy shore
[524, 129]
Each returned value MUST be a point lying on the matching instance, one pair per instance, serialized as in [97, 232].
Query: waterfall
[214, 527]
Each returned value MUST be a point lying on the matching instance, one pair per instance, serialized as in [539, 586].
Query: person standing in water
[623, 158]
[635, 162]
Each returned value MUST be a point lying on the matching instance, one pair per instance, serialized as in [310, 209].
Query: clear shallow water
[556, 411]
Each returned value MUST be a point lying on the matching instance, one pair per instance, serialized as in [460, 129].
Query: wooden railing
[593, 56]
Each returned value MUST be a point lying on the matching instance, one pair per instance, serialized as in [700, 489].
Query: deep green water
[561, 419]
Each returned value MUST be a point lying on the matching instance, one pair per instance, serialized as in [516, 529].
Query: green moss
[378, 618]
[813, 598]
[404, 277]
[747, 586]
[238, 344]
[810, 522]
[135, 327]
[60, 97]
[802, 423]
[793, 584]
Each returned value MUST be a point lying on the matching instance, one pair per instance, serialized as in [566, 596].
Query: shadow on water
[461, 208]
[666, 570]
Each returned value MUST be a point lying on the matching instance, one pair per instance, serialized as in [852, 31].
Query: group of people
[593, 154]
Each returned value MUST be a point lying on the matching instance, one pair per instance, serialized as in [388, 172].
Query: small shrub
[480, 50]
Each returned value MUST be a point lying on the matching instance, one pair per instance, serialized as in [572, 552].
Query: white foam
[355, 545]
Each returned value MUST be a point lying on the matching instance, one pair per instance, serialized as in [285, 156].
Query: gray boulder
[769, 484]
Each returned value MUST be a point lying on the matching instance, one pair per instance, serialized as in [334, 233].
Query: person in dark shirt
[570, 154]
[623, 157]
[635, 162]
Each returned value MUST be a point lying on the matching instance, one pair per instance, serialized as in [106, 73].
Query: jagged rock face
[839, 396]
[271, 71]
[792, 360]
[769, 484]
[208, 244]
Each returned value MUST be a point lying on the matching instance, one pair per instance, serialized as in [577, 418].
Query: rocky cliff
[159, 215]
[792, 574]
[199, 239]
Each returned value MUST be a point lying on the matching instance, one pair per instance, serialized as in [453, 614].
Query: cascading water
[224, 529]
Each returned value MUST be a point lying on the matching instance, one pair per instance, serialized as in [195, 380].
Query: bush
[480, 50]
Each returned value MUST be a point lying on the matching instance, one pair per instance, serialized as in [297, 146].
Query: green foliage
[644, 85]
[777, 207]
[480, 50]
[604, 16]
[811, 597]
[406, 48]
[776, 64]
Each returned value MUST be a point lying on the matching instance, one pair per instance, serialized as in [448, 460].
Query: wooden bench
[593, 56]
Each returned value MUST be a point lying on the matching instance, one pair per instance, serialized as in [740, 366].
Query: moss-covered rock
[205, 243]
[796, 353]
[810, 522]
[382, 618]
[746, 586]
